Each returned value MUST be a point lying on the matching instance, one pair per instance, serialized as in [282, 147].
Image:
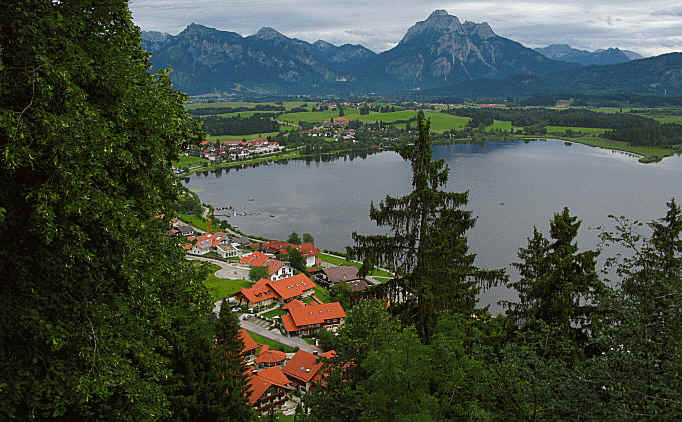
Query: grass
[273, 344]
[274, 313]
[246, 113]
[667, 119]
[220, 288]
[650, 153]
[341, 261]
[322, 294]
[193, 220]
[581, 130]
[285, 418]
[185, 162]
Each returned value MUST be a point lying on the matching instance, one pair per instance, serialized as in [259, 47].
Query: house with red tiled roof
[277, 269]
[268, 358]
[214, 242]
[266, 291]
[260, 294]
[298, 286]
[304, 369]
[304, 319]
[268, 388]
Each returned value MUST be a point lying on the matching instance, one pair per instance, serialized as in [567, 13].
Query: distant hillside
[434, 52]
[660, 75]
[565, 53]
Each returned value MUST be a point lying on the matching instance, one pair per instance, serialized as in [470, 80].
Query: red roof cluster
[259, 292]
[277, 246]
[248, 341]
[211, 240]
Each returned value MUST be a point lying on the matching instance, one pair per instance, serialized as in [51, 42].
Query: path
[227, 270]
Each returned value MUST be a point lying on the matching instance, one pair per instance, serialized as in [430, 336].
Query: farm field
[288, 105]
[246, 113]
[667, 119]
[583, 130]
[185, 162]
[247, 137]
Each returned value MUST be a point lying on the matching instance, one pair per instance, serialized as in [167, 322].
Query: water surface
[512, 186]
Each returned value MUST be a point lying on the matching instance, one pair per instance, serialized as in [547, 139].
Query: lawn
[285, 418]
[583, 130]
[667, 119]
[274, 313]
[185, 162]
[273, 344]
[341, 261]
[322, 294]
[220, 288]
[650, 153]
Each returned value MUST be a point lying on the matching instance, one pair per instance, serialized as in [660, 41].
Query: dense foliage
[102, 318]
[212, 111]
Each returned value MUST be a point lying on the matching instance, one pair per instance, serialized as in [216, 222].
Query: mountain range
[565, 53]
[439, 52]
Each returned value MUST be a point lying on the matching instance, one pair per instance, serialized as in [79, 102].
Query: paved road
[229, 271]
[258, 326]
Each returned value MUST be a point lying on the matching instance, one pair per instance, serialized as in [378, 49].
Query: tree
[296, 259]
[427, 247]
[342, 293]
[258, 272]
[229, 350]
[365, 269]
[558, 285]
[308, 238]
[294, 239]
[96, 299]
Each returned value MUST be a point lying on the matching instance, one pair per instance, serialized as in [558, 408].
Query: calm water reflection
[512, 186]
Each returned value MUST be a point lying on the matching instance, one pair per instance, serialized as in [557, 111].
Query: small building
[227, 250]
[333, 275]
[298, 286]
[277, 269]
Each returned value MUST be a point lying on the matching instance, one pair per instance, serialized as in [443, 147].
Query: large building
[304, 319]
[305, 368]
[307, 250]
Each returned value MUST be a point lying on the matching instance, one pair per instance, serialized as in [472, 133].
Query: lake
[512, 186]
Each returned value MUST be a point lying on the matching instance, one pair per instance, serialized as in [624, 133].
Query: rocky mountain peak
[438, 23]
[481, 30]
[267, 33]
[323, 45]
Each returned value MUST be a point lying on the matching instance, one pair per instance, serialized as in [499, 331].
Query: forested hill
[660, 75]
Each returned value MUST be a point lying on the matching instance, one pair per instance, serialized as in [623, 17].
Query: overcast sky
[649, 27]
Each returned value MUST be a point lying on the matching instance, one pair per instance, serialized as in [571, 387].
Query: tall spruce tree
[100, 311]
[229, 347]
[427, 245]
[558, 285]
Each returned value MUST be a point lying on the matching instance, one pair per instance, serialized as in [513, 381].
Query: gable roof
[259, 292]
[258, 383]
[255, 259]
[357, 285]
[292, 286]
[343, 273]
[266, 355]
[273, 266]
[248, 341]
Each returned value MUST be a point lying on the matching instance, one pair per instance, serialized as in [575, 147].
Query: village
[283, 306]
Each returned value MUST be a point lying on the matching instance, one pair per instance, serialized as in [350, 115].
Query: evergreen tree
[294, 239]
[258, 272]
[427, 246]
[296, 259]
[308, 238]
[229, 349]
[558, 285]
